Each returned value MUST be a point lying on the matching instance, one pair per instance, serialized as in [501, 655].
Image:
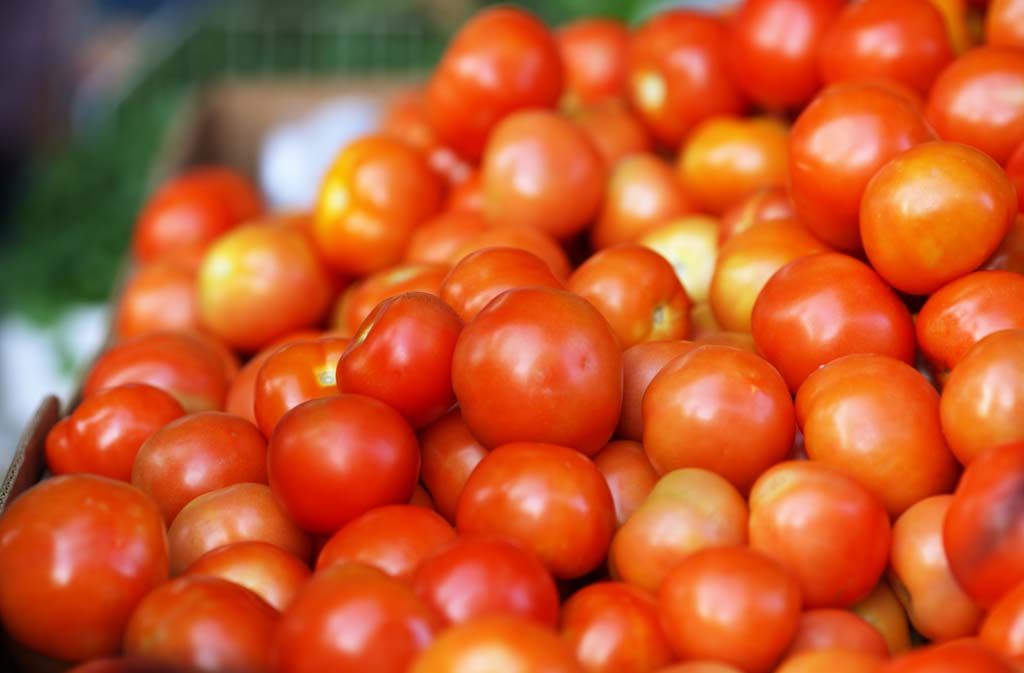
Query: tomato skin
[392, 538]
[241, 397]
[439, 238]
[690, 244]
[394, 625]
[730, 604]
[821, 307]
[882, 610]
[198, 454]
[614, 130]
[834, 661]
[103, 434]
[268, 571]
[678, 73]
[1001, 628]
[769, 204]
[356, 303]
[525, 238]
[295, 373]
[123, 664]
[629, 474]
[477, 576]
[640, 364]
[797, 501]
[594, 52]
[975, 101]
[323, 453]
[77, 554]
[203, 622]
[1004, 23]
[549, 498]
[160, 296]
[700, 667]
[613, 628]
[501, 60]
[834, 629]
[449, 453]
[966, 654]
[720, 409]
[570, 395]
[1015, 170]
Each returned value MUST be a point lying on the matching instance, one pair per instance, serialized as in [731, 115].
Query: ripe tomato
[700, 667]
[613, 628]
[640, 364]
[730, 604]
[833, 629]
[690, 244]
[773, 49]
[1009, 256]
[1004, 23]
[570, 393]
[375, 194]
[406, 120]
[837, 144]
[123, 664]
[966, 654]
[268, 571]
[720, 409]
[798, 501]
[357, 302]
[629, 474]
[387, 624]
[594, 52]
[821, 307]
[160, 296]
[525, 238]
[191, 210]
[482, 275]
[467, 196]
[976, 101]
[678, 73]
[1015, 170]
[883, 611]
[614, 130]
[551, 499]
[687, 510]
[237, 513]
[934, 213]
[770, 204]
[103, 434]
[203, 622]
[77, 554]
[481, 576]
[392, 538]
[241, 397]
[440, 238]
[1001, 628]
[449, 453]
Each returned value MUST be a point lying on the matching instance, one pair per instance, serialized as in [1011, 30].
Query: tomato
[983, 399]
[690, 244]
[386, 625]
[900, 462]
[237, 513]
[769, 204]
[482, 275]
[977, 101]
[798, 501]
[773, 49]
[1001, 629]
[467, 196]
[241, 397]
[440, 238]
[1004, 23]
[700, 667]
[420, 498]
[525, 238]
[883, 611]
[934, 213]
[123, 664]
[747, 261]
[190, 210]
[640, 364]
[594, 52]
[533, 159]
[629, 474]
[449, 453]
[678, 73]
[614, 130]
[569, 393]
[687, 510]
[186, 366]
[406, 120]
[103, 434]
[203, 622]
[837, 144]
[730, 604]
[357, 302]
[393, 538]
[959, 655]
[268, 571]
[551, 499]
[77, 554]
[160, 296]
[637, 292]
[833, 629]
[1015, 170]
[375, 194]
[833, 661]
[643, 193]
[501, 60]
[334, 458]
[1009, 256]
[510, 643]
[614, 628]
[482, 576]
[720, 409]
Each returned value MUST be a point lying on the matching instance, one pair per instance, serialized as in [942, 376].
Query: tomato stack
[691, 348]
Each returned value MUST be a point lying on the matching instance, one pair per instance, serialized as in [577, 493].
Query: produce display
[695, 346]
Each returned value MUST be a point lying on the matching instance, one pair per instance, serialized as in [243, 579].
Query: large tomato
[481, 276]
[594, 52]
[268, 571]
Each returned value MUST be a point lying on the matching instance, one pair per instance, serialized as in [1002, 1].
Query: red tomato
[822, 307]
[198, 454]
[594, 52]
[953, 657]
[203, 622]
[333, 458]
[238, 513]
[730, 604]
[360, 298]
[770, 204]
[569, 393]
[629, 474]
[678, 73]
[525, 238]
[798, 501]
[614, 130]
[122, 664]
[77, 554]
[160, 296]
[952, 196]
[700, 667]
[1009, 256]
[449, 453]
[467, 196]
[393, 538]
[482, 576]
[1004, 23]
[614, 628]
[352, 618]
[883, 611]
[500, 61]
[1001, 629]
[268, 571]
[833, 661]
[833, 629]
[551, 499]
[440, 238]
[482, 275]
[406, 120]
[103, 434]
[1015, 170]
[732, 407]
[640, 364]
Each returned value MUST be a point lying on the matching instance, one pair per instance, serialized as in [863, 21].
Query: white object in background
[295, 156]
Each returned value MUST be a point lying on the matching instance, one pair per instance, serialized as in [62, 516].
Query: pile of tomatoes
[691, 348]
